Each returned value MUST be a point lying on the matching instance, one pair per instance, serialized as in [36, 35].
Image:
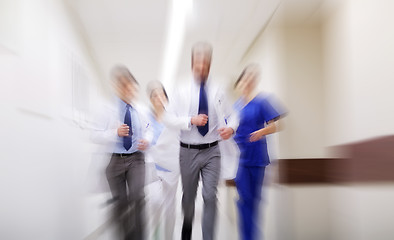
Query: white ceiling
[134, 32]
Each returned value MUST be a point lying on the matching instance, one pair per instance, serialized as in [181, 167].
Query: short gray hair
[203, 46]
[122, 71]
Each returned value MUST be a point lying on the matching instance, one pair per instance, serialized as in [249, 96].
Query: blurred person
[202, 106]
[258, 118]
[164, 152]
[123, 129]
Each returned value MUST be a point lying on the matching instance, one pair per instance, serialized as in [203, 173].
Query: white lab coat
[161, 190]
[228, 148]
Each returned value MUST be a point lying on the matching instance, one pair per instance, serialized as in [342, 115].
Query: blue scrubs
[253, 160]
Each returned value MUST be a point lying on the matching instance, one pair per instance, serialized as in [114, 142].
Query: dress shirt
[135, 125]
[193, 136]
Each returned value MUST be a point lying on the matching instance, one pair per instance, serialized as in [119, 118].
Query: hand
[123, 130]
[255, 136]
[199, 120]
[225, 132]
[143, 145]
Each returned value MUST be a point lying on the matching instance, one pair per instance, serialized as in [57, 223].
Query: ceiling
[135, 33]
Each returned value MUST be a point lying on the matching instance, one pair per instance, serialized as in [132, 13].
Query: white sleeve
[173, 117]
[231, 116]
[172, 121]
[101, 130]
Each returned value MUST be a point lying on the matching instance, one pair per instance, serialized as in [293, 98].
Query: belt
[124, 154]
[199, 146]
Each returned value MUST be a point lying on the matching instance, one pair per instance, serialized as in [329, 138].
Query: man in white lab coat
[208, 117]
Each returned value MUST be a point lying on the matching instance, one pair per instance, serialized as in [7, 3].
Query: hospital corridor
[197, 119]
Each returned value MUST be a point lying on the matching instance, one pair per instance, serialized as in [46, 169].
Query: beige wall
[332, 68]
[359, 55]
[291, 61]
[333, 73]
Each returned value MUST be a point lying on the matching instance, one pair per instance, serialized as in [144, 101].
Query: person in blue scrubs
[257, 119]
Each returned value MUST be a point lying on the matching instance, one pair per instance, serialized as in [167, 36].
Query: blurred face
[248, 82]
[201, 63]
[126, 89]
[158, 98]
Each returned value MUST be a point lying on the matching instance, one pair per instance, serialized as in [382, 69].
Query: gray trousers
[126, 178]
[193, 163]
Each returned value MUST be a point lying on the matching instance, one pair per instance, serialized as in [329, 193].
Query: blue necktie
[203, 109]
[127, 120]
